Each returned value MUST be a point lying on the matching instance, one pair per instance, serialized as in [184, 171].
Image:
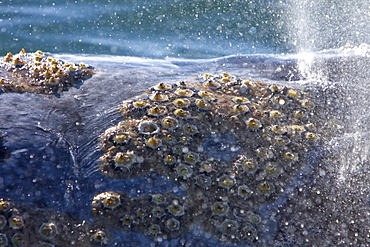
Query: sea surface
[181, 28]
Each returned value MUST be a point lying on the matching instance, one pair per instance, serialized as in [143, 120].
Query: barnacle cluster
[231, 144]
[39, 72]
[25, 225]
[154, 214]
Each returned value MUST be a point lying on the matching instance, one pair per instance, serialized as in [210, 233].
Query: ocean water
[136, 44]
[181, 28]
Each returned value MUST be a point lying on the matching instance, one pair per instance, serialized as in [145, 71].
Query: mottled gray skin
[53, 142]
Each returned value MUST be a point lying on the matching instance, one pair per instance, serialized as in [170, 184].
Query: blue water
[143, 28]
[181, 28]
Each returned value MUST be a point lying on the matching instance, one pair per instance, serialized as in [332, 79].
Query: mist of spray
[316, 25]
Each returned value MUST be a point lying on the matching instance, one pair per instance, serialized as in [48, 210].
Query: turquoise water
[180, 28]
[144, 28]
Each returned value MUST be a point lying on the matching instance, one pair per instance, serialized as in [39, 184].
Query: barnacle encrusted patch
[26, 225]
[39, 72]
[232, 144]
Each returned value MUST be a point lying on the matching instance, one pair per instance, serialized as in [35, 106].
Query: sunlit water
[330, 193]
[186, 29]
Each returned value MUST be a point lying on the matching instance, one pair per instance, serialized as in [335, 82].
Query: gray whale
[53, 141]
